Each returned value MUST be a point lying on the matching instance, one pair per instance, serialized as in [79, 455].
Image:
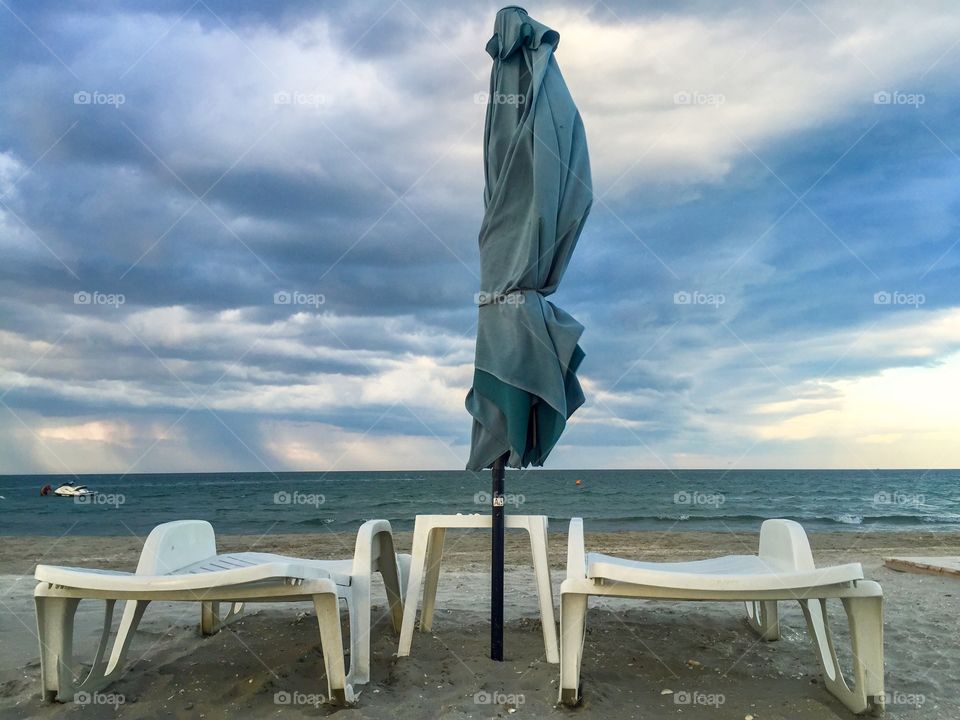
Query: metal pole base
[496, 561]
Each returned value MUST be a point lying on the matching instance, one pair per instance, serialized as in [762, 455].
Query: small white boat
[70, 489]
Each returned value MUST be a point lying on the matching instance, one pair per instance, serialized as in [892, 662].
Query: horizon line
[479, 472]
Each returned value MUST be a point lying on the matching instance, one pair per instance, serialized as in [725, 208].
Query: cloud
[677, 99]
[308, 446]
[899, 415]
[334, 151]
[96, 431]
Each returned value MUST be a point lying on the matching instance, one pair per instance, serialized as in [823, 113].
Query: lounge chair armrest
[375, 553]
[576, 551]
[374, 545]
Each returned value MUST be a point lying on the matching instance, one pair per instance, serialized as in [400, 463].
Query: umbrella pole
[496, 561]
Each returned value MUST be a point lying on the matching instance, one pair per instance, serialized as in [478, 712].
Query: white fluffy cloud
[677, 98]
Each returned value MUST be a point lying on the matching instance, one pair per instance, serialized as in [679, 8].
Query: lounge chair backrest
[784, 545]
[174, 545]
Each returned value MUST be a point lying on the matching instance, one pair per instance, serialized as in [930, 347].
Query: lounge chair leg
[764, 617]
[339, 691]
[210, 621]
[55, 623]
[865, 616]
[103, 673]
[358, 610]
[541, 569]
[434, 557]
[55, 617]
[132, 614]
[573, 613]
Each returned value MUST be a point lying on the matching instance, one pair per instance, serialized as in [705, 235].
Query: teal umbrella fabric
[537, 196]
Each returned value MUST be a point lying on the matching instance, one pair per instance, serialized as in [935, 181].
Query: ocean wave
[315, 521]
[947, 519]
[753, 519]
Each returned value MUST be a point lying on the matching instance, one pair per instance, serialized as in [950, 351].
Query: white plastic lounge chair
[783, 570]
[179, 561]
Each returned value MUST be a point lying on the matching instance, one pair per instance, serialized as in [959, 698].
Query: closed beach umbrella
[537, 197]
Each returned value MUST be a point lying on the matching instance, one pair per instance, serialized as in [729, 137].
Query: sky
[242, 236]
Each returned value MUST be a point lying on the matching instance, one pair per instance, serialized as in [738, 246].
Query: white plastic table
[428, 536]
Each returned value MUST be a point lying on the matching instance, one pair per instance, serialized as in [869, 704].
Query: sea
[608, 500]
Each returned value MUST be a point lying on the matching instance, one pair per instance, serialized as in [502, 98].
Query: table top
[478, 520]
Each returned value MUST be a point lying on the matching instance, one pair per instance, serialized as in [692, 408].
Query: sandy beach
[635, 652]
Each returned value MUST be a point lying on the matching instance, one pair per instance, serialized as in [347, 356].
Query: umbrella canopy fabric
[537, 197]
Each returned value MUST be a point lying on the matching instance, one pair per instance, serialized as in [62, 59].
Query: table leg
[434, 556]
[412, 595]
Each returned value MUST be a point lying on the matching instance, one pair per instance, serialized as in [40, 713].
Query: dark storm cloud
[369, 193]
